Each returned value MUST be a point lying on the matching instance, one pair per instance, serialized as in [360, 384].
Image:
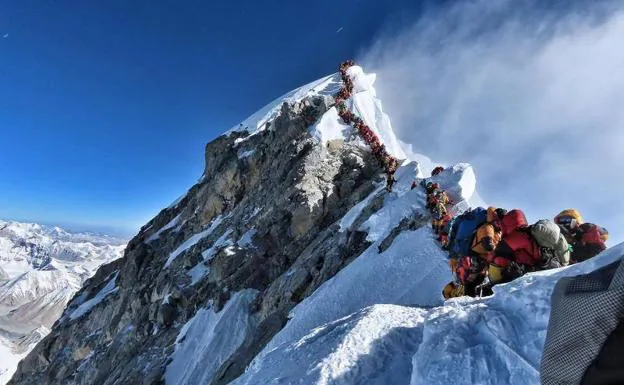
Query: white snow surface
[208, 339]
[246, 241]
[330, 127]
[192, 241]
[364, 103]
[45, 266]
[86, 306]
[8, 362]
[382, 319]
[175, 222]
[257, 122]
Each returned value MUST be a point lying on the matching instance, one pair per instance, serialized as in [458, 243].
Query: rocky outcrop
[263, 218]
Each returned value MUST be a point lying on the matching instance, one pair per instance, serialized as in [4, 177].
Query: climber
[462, 230]
[439, 202]
[453, 290]
[516, 252]
[390, 181]
[587, 239]
[554, 247]
[437, 170]
[471, 273]
[488, 234]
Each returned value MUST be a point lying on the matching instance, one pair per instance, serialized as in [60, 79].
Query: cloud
[532, 97]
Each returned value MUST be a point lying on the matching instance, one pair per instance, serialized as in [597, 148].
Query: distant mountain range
[41, 267]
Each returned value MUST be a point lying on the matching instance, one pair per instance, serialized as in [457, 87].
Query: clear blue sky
[105, 107]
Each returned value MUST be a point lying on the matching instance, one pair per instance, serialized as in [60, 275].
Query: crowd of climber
[389, 163]
[492, 246]
[486, 246]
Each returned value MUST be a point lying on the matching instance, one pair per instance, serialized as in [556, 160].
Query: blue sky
[105, 107]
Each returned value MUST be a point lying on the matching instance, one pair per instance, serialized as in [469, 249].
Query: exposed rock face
[261, 220]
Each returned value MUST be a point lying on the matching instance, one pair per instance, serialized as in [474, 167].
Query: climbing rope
[389, 163]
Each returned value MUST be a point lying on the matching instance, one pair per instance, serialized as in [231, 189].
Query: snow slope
[41, 267]
[257, 122]
[207, 340]
[382, 319]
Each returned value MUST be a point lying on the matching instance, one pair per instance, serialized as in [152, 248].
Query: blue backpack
[463, 230]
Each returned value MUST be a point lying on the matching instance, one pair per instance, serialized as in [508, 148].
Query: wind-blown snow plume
[526, 93]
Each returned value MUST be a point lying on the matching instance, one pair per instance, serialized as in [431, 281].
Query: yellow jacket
[486, 239]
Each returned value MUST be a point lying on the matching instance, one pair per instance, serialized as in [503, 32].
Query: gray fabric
[584, 311]
[547, 234]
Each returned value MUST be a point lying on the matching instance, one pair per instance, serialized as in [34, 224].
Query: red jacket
[518, 246]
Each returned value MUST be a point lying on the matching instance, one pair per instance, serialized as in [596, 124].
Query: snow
[192, 241]
[246, 240]
[330, 127]
[458, 181]
[86, 306]
[494, 340]
[382, 319]
[246, 154]
[45, 266]
[198, 272]
[364, 103]
[223, 241]
[8, 362]
[173, 223]
[402, 203]
[257, 122]
[349, 218]
[208, 339]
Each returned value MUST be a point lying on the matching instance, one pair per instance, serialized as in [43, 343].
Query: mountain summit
[289, 262]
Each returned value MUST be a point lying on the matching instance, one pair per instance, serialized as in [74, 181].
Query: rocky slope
[260, 228]
[41, 267]
[265, 272]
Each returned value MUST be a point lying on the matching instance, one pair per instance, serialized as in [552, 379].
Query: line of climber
[389, 163]
[492, 246]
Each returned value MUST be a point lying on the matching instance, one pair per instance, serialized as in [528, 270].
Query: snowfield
[41, 267]
[382, 319]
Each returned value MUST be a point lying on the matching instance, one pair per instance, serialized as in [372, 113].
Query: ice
[495, 340]
[365, 104]
[192, 241]
[347, 221]
[330, 127]
[246, 154]
[86, 306]
[208, 339]
[8, 362]
[257, 122]
[198, 272]
[246, 240]
[173, 223]
[224, 241]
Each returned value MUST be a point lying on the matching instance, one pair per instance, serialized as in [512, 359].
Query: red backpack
[591, 234]
[512, 221]
[525, 250]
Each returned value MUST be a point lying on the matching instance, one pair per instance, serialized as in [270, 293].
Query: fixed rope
[387, 161]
